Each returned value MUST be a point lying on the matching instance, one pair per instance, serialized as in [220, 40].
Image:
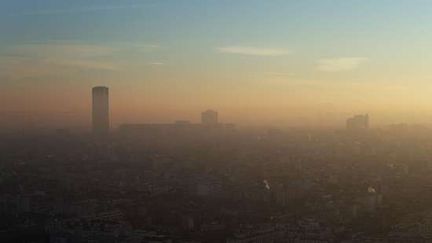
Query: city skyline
[306, 63]
[101, 121]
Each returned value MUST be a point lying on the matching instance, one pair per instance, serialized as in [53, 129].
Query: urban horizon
[286, 68]
[343, 123]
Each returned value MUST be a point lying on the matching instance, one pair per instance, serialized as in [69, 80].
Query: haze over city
[287, 63]
[215, 121]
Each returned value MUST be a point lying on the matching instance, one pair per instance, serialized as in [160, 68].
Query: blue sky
[206, 20]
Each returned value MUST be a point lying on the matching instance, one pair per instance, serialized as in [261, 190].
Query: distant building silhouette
[209, 117]
[358, 122]
[209, 127]
[100, 115]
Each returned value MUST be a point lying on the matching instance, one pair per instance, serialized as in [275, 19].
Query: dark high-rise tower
[100, 118]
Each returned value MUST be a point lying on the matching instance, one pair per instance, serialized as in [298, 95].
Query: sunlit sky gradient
[281, 62]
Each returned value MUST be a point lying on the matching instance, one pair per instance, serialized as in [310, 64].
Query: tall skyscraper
[209, 117]
[100, 118]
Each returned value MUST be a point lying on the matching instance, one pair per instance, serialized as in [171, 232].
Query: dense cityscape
[215, 182]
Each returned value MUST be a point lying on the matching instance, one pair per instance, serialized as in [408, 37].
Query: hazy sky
[294, 62]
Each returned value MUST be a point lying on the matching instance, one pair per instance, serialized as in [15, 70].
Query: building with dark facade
[100, 111]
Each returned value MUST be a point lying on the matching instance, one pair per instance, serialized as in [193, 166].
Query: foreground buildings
[238, 186]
